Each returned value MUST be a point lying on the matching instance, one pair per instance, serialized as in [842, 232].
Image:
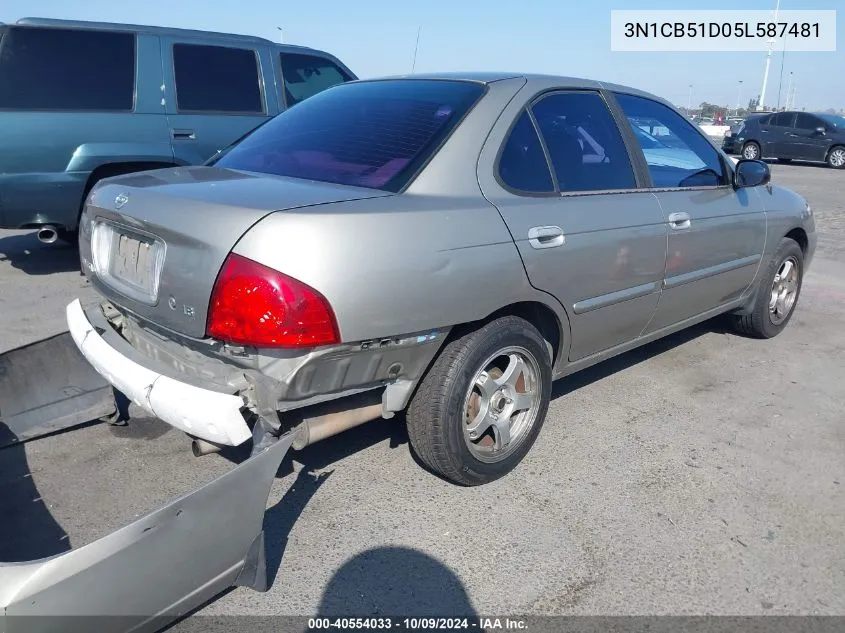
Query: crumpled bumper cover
[204, 413]
[155, 569]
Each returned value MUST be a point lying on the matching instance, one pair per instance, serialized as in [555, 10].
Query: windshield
[373, 134]
[835, 120]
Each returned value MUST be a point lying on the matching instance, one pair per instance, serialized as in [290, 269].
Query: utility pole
[416, 47]
[760, 105]
[689, 101]
[279, 29]
[790, 94]
[780, 81]
[738, 98]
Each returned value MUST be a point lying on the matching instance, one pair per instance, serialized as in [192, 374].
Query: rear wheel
[780, 287]
[836, 158]
[481, 406]
[751, 151]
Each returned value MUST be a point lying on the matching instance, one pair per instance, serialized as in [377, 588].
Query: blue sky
[376, 37]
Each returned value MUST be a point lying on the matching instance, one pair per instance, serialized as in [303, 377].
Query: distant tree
[752, 103]
[830, 111]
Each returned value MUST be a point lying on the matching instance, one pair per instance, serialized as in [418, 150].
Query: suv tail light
[252, 304]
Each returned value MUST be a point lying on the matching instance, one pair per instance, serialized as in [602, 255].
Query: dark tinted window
[584, 144]
[216, 79]
[306, 75]
[835, 120]
[523, 165]
[370, 134]
[685, 158]
[806, 121]
[67, 69]
[763, 120]
[781, 119]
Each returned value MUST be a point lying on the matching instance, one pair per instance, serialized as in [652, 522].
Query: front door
[599, 251]
[806, 142]
[716, 233]
[213, 94]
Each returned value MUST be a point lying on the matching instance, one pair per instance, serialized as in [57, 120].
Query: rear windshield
[373, 134]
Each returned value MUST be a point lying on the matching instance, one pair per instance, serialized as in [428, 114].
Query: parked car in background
[786, 136]
[443, 245]
[83, 101]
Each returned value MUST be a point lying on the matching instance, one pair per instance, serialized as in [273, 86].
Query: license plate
[134, 263]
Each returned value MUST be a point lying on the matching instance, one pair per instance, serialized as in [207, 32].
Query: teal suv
[83, 101]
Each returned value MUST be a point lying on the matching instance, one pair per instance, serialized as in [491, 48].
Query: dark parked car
[791, 135]
[83, 101]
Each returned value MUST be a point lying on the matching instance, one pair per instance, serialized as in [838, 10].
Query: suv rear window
[374, 134]
[67, 69]
[306, 75]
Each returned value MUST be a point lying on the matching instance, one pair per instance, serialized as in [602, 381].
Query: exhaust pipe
[200, 447]
[48, 234]
[330, 418]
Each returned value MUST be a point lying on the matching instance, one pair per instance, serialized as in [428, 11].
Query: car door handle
[183, 135]
[545, 236]
[679, 220]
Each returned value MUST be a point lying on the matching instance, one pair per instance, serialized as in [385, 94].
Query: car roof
[534, 80]
[157, 30]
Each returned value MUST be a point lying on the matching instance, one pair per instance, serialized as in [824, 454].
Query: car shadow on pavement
[610, 366]
[26, 253]
[28, 530]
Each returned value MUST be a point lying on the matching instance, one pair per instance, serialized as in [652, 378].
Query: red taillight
[252, 304]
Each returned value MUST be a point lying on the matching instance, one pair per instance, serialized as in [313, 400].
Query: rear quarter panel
[391, 266]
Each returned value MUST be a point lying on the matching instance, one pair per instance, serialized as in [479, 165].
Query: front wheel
[751, 151]
[480, 407]
[777, 295]
[836, 158]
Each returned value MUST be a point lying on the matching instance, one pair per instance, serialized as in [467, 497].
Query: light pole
[281, 40]
[760, 105]
[789, 95]
[738, 98]
[689, 101]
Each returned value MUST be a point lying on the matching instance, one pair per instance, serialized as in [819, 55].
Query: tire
[762, 322]
[751, 151]
[449, 399]
[836, 157]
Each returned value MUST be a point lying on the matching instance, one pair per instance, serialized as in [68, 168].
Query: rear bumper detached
[210, 415]
[155, 569]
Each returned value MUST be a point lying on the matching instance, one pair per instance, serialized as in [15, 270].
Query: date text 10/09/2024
[721, 29]
[414, 624]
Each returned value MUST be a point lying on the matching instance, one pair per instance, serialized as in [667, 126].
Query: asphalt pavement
[701, 474]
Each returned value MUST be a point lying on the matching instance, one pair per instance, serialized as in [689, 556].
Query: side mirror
[820, 130]
[751, 173]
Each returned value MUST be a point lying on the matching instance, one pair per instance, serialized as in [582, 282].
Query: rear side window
[681, 156]
[782, 119]
[216, 79]
[306, 75]
[67, 69]
[584, 144]
[373, 134]
[522, 164]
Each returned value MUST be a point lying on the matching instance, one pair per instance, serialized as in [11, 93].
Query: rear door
[716, 233]
[805, 141]
[586, 234]
[215, 93]
[774, 134]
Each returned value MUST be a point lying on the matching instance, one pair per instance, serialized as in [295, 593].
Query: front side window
[834, 120]
[67, 69]
[807, 122]
[686, 158]
[216, 79]
[522, 164]
[373, 134]
[585, 146]
[306, 75]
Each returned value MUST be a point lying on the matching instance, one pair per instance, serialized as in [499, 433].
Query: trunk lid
[154, 242]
